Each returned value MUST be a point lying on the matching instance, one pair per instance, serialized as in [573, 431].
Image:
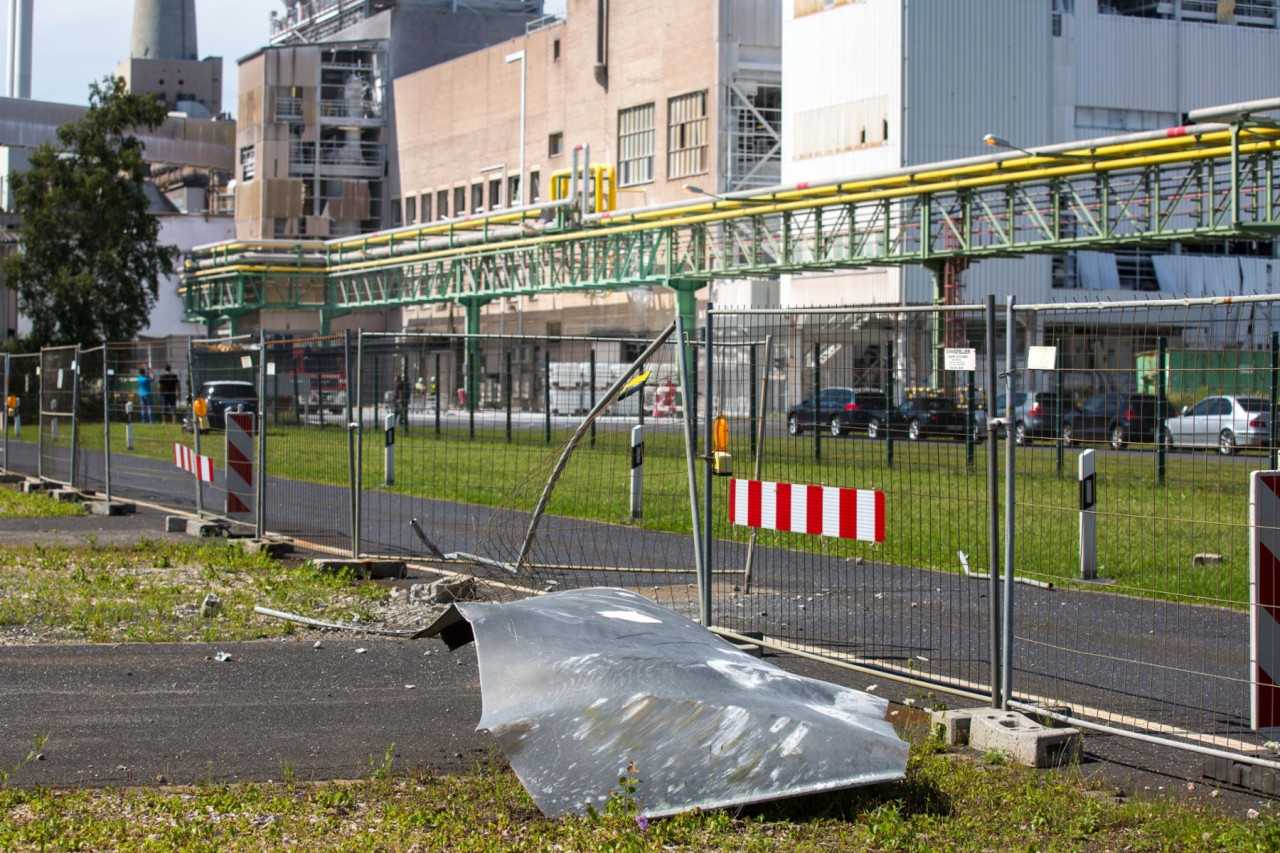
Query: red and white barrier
[240, 492]
[1264, 598]
[186, 459]
[817, 510]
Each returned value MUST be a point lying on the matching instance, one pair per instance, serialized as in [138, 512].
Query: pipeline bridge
[1210, 180]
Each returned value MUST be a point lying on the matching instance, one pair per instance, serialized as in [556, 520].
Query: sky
[77, 42]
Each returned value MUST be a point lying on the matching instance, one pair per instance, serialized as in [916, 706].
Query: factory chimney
[164, 29]
[18, 72]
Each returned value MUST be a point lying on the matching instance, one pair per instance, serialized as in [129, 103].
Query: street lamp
[518, 56]
[1000, 142]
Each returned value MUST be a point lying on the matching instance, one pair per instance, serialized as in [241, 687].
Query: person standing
[144, 396]
[169, 388]
[402, 400]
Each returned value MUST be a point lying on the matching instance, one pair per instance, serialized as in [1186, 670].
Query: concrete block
[200, 527]
[1017, 736]
[100, 507]
[67, 496]
[175, 524]
[9, 478]
[28, 487]
[1207, 560]
[369, 569]
[270, 547]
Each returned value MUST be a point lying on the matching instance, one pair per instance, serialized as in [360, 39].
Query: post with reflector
[200, 406]
[128, 426]
[1088, 517]
[389, 459]
[637, 471]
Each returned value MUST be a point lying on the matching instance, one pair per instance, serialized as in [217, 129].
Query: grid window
[248, 162]
[635, 145]
[687, 135]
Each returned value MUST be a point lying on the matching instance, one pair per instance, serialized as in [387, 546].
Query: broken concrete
[67, 496]
[443, 591]
[273, 548]
[1011, 733]
[370, 569]
[200, 527]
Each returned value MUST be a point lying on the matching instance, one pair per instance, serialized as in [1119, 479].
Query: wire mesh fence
[443, 448]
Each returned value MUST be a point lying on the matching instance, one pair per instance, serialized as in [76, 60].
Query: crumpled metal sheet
[577, 685]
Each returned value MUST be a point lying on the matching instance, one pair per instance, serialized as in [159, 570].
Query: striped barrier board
[816, 510]
[1264, 599]
[186, 459]
[240, 492]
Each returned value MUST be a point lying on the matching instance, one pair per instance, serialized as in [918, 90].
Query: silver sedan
[1223, 422]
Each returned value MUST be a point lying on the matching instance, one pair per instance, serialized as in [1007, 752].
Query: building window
[410, 210]
[442, 204]
[635, 145]
[535, 186]
[495, 194]
[513, 191]
[395, 212]
[288, 103]
[477, 198]
[248, 162]
[555, 50]
[459, 201]
[687, 135]
[555, 145]
[1248, 13]
[426, 207]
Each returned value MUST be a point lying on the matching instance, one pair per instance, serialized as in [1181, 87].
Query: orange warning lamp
[721, 461]
[200, 407]
[11, 403]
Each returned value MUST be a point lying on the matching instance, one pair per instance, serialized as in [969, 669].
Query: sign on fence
[1264, 598]
[186, 459]
[240, 489]
[816, 510]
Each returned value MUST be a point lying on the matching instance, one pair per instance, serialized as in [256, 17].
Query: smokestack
[164, 29]
[18, 73]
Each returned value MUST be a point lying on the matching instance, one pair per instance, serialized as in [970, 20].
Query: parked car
[1035, 415]
[838, 410]
[920, 418]
[227, 396]
[1118, 418]
[1224, 422]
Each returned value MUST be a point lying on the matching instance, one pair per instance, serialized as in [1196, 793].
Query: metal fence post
[5, 422]
[993, 509]
[1060, 449]
[354, 437]
[1275, 381]
[817, 403]
[435, 391]
[260, 481]
[75, 416]
[1162, 364]
[1010, 499]
[971, 426]
[546, 394]
[682, 350]
[708, 528]
[106, 424]
[507, 388]
[889, 404]
[751, 400]
[195, 421]
[591, 378]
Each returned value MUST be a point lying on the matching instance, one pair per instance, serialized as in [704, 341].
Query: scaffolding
[752, 133]
[309, 21]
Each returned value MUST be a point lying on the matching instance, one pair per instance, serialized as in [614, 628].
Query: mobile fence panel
[1163, 409]
[142, 430]
[92, 464]
[225, 375]
[308, 493]
[858, 479]
[22, 426]
[59, 387]
[474, 438]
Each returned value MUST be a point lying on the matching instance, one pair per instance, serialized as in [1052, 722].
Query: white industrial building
[873, 85]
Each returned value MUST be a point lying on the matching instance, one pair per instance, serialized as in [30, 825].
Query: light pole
[518, 56]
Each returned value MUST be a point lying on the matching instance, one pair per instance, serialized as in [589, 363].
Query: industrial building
[931, 78]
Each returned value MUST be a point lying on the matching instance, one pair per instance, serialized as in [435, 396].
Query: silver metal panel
[580, 685]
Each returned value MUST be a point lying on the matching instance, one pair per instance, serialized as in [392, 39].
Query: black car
[1117, 418]
[838, 410]
[227, 396]
[920, 418]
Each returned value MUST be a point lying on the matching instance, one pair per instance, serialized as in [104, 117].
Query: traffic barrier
[188, 460]
[1264, 599]
[240, 479]
[816, 510]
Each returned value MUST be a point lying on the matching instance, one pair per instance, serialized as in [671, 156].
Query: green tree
[90, 266]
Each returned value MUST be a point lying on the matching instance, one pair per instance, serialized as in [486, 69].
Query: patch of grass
[152, 592]
[15, 504]
[946, 802]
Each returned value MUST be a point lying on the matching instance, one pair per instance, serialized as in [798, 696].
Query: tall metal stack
[164, 29]
[18, 77]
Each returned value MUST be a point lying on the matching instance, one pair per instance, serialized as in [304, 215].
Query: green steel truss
[1215, 185]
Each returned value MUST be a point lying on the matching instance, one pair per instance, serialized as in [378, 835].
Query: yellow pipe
[1015, 170]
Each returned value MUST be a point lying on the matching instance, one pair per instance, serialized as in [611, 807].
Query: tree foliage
[91, 261]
